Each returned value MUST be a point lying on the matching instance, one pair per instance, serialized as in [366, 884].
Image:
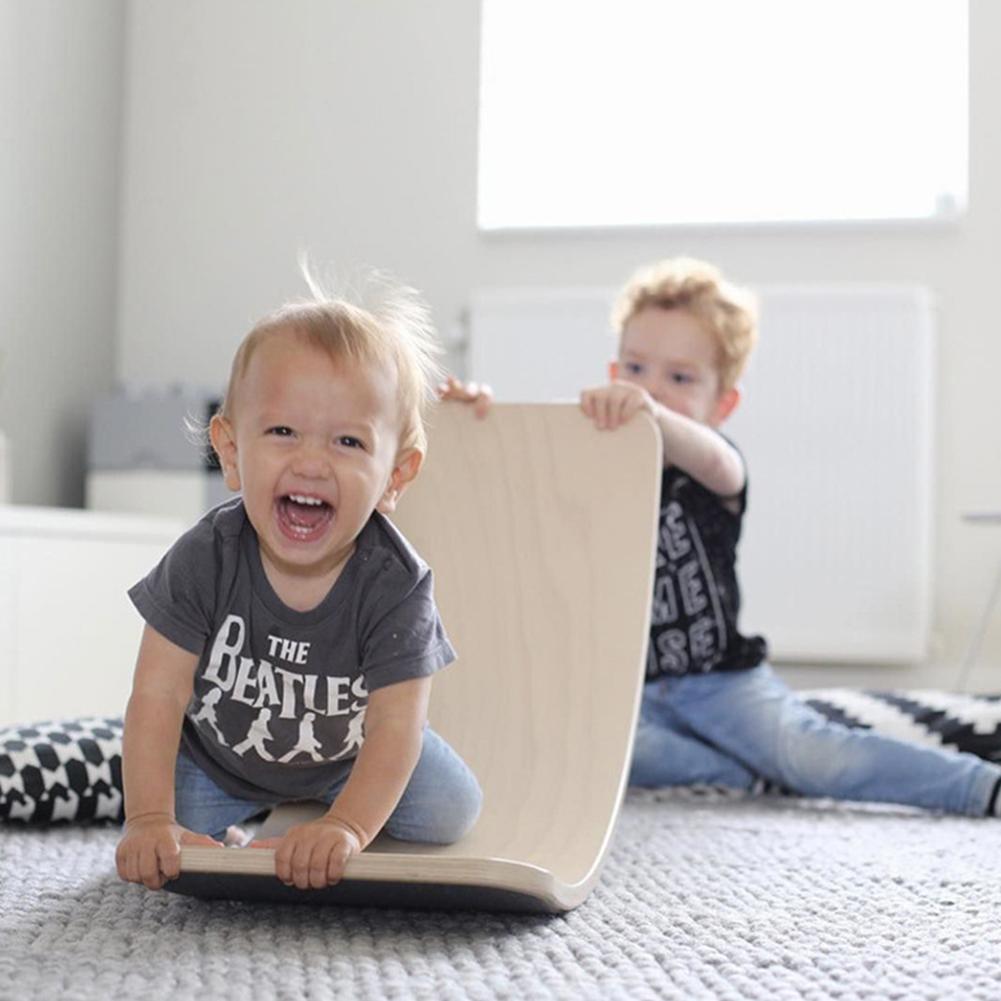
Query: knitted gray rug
[703, 896]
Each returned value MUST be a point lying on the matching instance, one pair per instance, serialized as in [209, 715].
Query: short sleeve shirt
[696, 600]
[279, 699]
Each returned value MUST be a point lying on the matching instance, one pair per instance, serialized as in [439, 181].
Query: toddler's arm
[315, 854]
[693, 447]
[149, 850]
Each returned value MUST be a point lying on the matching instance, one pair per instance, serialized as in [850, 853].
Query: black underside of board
[356, 893]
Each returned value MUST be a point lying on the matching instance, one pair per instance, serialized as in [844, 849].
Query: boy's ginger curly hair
[729, 313]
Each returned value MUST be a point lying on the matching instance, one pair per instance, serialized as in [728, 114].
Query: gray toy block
[147, 431]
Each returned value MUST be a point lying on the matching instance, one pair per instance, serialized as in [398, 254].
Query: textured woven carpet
[703, 896]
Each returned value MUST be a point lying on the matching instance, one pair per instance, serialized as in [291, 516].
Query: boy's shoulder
[381, 544]
[222, 524]
[225, 519]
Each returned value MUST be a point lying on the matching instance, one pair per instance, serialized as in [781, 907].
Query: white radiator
[837, 428]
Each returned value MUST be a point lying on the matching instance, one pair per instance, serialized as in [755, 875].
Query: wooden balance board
[540, 530]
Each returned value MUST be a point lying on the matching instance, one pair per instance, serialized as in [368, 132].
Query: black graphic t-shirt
[279, 699]
[696, 598]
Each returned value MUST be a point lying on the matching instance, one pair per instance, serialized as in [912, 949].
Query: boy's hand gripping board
[541, 532]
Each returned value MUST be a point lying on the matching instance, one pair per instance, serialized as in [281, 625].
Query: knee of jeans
[813, 761]
[647, 755]
[449, 816]
[464, 806]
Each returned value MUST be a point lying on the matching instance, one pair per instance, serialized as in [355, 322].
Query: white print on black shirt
[278, 693]
[685, 594]
[308, 744]
[257, 736]
[207, 713]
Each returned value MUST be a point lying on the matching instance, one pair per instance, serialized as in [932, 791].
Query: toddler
[713, 711]
[291, 635]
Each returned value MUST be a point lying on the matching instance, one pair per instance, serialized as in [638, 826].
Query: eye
[682, 378]
[280, 431]
[349, 441]
[633, 367]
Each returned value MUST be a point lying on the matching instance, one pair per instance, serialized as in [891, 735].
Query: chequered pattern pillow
[62, 770]
[970, 723]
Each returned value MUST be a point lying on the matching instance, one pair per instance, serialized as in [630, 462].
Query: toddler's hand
[313, 854]
[149, 851]
[480, 395]
[611, 406]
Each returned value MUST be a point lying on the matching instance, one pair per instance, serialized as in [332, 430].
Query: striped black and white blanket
[962, 722]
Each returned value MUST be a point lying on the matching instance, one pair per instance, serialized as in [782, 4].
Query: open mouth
[302, 518]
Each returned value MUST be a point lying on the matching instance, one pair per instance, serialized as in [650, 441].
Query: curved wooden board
[541, 532]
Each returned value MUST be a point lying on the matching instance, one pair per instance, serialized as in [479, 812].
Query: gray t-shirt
[279, 696]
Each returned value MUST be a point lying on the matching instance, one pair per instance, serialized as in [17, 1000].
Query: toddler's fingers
[310, 867]
[283, 860]
[337, 862]
[132, 865]
[478, 394]
[121, 862]
[319, 863]
[603, 409]
[170, 859]
[299, 863]
[613, 403]
[448, 387]
[590, 403]
[631, 405]
[149, 868]
[484, 400]
[616, 406]
[128, 868]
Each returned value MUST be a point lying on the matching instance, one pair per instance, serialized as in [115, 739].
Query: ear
[223, 437]
[726, 403]
[613, 371]
[408, 465]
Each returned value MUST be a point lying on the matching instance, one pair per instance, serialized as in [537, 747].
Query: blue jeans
[730, 728]
[439, 805]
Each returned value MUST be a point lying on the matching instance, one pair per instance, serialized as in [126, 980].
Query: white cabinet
[68, 630]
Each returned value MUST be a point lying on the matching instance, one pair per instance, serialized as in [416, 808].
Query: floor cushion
[62, 770]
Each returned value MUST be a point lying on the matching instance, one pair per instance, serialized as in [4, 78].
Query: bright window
[654, 112]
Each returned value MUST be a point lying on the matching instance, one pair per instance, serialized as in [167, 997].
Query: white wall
[60, 111]
[255, 128]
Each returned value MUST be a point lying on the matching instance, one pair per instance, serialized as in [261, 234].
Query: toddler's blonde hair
[729, 313]
[395, 332]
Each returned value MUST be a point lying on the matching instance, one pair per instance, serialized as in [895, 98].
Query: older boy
[713, 711]
[291, 634]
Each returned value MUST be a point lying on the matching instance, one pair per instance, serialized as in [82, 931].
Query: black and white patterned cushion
[969, 723]
[61, 770]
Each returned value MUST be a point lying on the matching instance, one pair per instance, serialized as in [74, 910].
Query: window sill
[945, 224]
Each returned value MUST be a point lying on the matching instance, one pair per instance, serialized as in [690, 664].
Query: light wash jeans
[439, 805]
[732, 728]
